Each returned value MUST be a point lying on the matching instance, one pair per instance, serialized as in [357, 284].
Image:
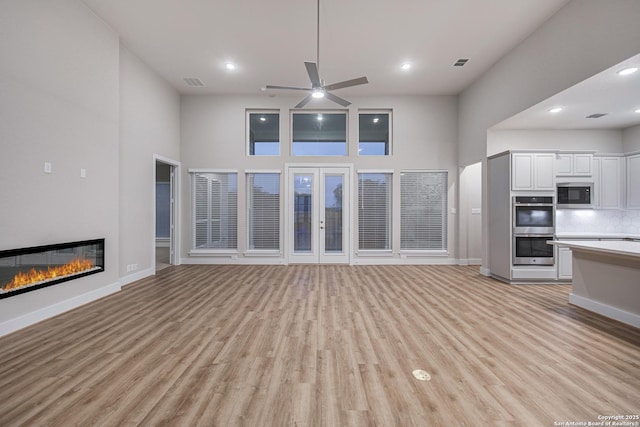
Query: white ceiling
[270, 39]
[607, 92]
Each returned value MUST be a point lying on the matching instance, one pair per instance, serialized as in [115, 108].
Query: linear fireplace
[28, 269]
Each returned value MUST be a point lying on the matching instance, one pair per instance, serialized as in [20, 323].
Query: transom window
[263, 133]
[374, 133]
[319, 133]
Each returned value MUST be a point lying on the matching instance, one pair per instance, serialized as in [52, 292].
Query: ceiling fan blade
[337, 99]
[312, 70]
[304, 101]
[347, 83]
[286, 87]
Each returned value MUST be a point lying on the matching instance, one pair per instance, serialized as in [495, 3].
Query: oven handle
[532, 204]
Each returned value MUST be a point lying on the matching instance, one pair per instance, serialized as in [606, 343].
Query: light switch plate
[48, 168]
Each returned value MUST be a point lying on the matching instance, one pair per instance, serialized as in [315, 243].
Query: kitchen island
[606, 277]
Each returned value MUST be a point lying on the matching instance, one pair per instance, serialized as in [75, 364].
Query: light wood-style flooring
[321, 345]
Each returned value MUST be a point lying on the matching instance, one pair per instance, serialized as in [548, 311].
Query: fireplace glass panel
[27, 269]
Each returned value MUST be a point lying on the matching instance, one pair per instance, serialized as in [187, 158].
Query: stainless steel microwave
[578, 195]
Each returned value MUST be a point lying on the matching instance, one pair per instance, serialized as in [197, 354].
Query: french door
[318, 215]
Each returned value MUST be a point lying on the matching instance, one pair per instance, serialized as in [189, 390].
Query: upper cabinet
[608, 177]
[574, 164]
[532, 171]
[633, 181]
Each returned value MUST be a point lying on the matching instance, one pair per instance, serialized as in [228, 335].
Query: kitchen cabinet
[608, 182]
[633, 181]
[532, 171]
[574, 164]
[565, 269]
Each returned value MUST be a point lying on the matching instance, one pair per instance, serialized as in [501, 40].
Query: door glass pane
[333, 213]
[302, 213]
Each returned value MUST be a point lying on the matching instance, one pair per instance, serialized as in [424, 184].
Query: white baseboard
[136, 276]
[629, 318]
[470, 261]
[29, 319]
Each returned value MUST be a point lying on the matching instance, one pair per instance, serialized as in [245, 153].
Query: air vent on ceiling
[193, 82]
[596, 115]
[460, 62]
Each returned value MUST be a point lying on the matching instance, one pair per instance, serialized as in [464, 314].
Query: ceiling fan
[318, 89]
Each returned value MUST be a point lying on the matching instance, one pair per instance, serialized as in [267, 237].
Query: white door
[318, 215]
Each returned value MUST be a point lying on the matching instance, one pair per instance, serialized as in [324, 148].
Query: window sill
[214, 252]
[262, 253]
[375, 252]
[423, 253]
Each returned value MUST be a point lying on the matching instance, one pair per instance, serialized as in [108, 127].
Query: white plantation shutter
[423, 207]
[215, 206]
[374, 211]
[263, 211]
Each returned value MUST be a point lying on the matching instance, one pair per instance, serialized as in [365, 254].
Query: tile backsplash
[600, 221]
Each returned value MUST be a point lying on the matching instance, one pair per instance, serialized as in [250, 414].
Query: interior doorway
[318, 214]
[165, 243]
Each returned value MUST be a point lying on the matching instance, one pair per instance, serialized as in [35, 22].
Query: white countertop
[594, 235]
[615, 247]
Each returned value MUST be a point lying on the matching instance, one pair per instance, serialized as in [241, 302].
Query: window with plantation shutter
[374, 211]
[423, 207]
[263, 211]
[215, 205]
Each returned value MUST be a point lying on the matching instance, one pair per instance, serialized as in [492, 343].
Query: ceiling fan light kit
[318, 89]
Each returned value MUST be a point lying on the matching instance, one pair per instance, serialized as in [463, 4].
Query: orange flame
[20, 280]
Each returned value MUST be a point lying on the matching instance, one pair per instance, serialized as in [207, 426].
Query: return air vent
[193, 82]
[460, 62]
[596, 115]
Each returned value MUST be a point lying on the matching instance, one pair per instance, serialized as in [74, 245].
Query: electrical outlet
[83, 173]
[134, 267]
[128, 268]
[48, 168]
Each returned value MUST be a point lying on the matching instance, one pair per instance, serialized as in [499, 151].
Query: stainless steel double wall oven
[533, 226]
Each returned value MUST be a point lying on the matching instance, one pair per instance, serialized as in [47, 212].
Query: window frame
[389, 148]
[344, 112]
[389, 226]
[444, 249]
[262, 252]
[195, 251]
[248, 113]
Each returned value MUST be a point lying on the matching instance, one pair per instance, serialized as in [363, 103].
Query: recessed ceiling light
[405, 66]
[637, 111]
[628, 71]
[555, 110]
[230, 66]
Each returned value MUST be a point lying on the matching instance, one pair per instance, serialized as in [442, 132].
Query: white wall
[58, 104]
[470, 213]
[631, 139]
[602, 141]
[149, 124]
[580, 40]
[213, 136]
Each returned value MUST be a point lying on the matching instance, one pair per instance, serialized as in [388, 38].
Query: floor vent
[421, 375]
[193, 82]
